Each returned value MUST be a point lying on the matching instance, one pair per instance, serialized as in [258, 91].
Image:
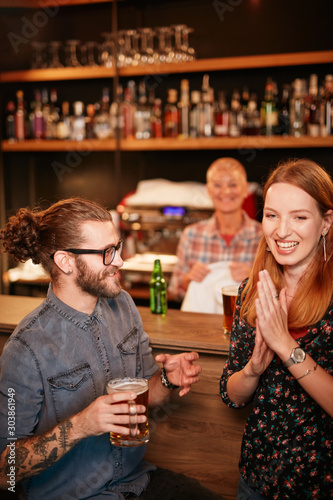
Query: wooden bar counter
[197, 434]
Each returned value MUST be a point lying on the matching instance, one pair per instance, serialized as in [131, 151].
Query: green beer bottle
[157, 288]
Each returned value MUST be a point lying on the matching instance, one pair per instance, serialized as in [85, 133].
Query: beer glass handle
[133, 419]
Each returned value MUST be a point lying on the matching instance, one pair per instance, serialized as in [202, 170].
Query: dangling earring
[324, 244]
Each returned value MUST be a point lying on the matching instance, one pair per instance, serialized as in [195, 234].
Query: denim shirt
[58, 361]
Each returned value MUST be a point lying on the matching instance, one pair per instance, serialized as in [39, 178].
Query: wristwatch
[165, 381]
[297, 356]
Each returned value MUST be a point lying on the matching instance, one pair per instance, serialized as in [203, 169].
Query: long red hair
[314, 293]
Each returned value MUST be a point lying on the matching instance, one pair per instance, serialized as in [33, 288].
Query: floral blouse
[287, 447]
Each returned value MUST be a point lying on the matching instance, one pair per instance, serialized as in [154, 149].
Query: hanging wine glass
[121, 56]
[179, 54]
[107, 50]
[54, 60]
[83, 54]
[91, 46]
[131, 47]
[147, 46]
[189, 52]
[135, 48]
[165, 48]
[72, 47]
[38, 59]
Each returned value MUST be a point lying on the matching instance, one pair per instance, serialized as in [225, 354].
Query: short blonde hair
[225, 164]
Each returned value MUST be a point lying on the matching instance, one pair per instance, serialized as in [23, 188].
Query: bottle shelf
[199, 65]
[57, 74]
[36, 4]
[167, 144]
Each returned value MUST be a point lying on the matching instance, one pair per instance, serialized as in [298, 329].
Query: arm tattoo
[50, 447]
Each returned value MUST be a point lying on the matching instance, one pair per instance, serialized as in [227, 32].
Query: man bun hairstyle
[37, 234]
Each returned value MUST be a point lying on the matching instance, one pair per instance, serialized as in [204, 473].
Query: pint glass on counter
[139, 432]
[229, 296]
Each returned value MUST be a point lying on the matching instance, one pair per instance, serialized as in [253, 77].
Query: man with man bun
[58, 360]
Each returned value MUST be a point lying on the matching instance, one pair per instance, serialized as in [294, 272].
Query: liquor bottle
[53, 116]
[268, 111]
[142, 115]
[245, 99]
[221, 125]
[157, 289]
[10, 121]
[128, 110]
[156, 119]
[184, 110]
[63, 131]
[20, 117]
[283, 111]
[36, 117]
[116, 117]
[236, 115]
[102, 120]
[90, 121]
[297, 109]
[78, 125]
[252, 116]
[313, 105]
[195, 113]
[45, 110]
[171, 115]
[207, 117]
[327, 107]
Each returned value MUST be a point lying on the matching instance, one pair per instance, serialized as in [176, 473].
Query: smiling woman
[282, 340]
[302, 194]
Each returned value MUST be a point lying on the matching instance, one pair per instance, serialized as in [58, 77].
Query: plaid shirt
[202, 242]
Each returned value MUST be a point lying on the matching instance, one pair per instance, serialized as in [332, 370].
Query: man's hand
[180, 369]
[108, 413]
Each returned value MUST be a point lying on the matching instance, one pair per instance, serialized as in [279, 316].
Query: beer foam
[129, 386]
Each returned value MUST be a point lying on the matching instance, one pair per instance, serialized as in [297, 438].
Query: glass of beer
[229, 296]
[138, 432]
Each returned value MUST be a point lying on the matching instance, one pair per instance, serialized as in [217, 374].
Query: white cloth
[157, 192]
[27, 271]
[206, 296]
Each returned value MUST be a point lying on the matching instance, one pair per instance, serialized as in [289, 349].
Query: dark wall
[221, 29]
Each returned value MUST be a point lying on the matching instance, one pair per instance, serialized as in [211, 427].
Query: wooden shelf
[57, 74]
[165, 144]
[200, 65]
[54, 145]
[38, 4]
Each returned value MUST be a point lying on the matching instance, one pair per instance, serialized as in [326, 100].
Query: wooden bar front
[197, 434]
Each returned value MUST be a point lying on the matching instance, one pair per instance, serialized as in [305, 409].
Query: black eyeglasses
[108, 253]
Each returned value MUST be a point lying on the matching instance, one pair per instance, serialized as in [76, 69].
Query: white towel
[206, 296]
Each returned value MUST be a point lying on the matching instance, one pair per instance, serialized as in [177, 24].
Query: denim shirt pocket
[72, 391]
[130, 354]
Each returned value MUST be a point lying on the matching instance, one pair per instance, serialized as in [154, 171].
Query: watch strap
[292, 360]
[289, 362]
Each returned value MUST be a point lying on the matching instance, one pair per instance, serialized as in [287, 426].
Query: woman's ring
[276, 296]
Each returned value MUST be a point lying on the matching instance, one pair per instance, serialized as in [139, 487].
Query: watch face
[299, 355]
